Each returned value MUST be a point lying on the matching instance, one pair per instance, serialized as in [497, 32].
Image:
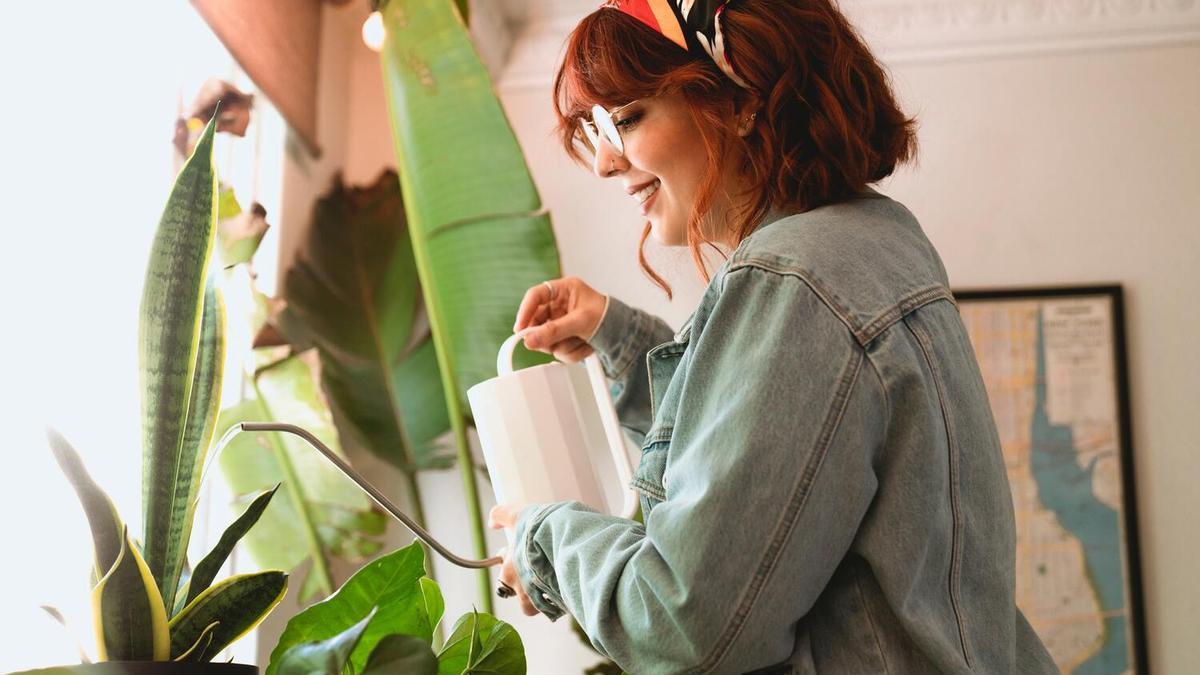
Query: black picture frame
[1115, 295]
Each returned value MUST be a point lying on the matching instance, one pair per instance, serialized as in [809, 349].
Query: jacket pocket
[648, 478]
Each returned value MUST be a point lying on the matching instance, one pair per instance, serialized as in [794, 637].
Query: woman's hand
[505, 516]
[565, 317]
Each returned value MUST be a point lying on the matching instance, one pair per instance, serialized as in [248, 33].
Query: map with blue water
[1048, 367]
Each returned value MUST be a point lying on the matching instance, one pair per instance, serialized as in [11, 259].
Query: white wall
[1067, 167]
[1081, 168]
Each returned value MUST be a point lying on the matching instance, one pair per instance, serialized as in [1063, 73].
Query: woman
[821, 480]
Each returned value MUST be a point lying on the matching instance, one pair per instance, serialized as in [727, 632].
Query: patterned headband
[694, 25]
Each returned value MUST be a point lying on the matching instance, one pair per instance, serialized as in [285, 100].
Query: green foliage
[382, 620]
[480, 236]
[319, 513]
[182, 348]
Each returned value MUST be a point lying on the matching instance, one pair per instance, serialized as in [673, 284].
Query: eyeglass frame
[612, 133]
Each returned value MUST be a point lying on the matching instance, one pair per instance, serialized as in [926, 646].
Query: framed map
[1053, 361]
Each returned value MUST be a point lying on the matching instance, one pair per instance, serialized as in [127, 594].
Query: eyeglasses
[602, 123]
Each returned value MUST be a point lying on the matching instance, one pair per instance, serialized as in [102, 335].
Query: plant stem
[295, 491]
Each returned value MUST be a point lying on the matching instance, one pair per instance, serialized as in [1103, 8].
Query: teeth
[642, 195]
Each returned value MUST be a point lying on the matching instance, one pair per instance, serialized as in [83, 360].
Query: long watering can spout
[385, 503]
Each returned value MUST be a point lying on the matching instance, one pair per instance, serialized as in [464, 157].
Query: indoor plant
[147, 608]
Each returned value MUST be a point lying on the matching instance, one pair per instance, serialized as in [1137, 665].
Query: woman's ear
[746, 113]
[746, 124]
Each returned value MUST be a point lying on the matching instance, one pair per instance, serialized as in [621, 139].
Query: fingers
[572, 350]
[537, 297]
[502, 515]
[508, 575]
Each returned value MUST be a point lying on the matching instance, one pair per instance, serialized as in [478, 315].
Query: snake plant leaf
[319, 512]
[194, 652]
[131, 621]
[480, 235]
[175, 401]
[401, 654]
[352, 291]
[201, 421]
[102, 515]
[207, 568]
[237, 604]
[392, 583]
[481, 643]
[324, 656]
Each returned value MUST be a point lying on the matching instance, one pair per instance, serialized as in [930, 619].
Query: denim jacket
[821, 478]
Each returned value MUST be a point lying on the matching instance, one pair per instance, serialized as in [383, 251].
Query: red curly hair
[827, 123]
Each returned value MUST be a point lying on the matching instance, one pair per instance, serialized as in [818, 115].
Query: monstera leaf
[479, 233]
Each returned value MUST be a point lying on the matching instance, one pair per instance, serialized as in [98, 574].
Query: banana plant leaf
[352, 291]
[392, 583]
[180, 351]
[480, 235]
[319, 513]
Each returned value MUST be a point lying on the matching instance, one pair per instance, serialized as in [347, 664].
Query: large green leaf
[401, 654]
[320, 512]
[392, 583]
[352, 292]
[481, 643]
[235, 604]
[480, 235]
[102, 516]
[327, 656]
[131, 621]
[177, 386]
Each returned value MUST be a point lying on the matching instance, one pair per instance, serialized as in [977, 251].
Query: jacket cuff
[535, 570]
[622, 336]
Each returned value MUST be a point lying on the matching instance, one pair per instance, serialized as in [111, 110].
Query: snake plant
[146, 606]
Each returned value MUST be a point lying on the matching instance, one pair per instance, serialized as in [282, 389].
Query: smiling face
[662, 166]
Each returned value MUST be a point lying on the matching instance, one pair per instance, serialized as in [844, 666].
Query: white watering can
[548, 434]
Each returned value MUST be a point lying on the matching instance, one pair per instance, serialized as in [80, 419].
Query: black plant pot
[147, 668]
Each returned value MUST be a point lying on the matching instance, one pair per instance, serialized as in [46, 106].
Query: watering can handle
[608, 415]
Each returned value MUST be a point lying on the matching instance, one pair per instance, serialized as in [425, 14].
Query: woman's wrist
[603, 313]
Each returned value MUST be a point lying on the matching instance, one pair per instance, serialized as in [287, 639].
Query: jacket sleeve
[622, 339]
[768, 476]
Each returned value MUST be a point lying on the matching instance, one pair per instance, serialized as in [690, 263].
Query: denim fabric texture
[821, 478]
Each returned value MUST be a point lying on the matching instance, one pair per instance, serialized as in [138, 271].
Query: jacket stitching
[791, 514]
[649, 488]
[955, 509]
[870, 622]
[906, 305]
[825, 296]
[877, 325]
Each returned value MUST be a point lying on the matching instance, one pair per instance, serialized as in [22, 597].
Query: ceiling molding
[907, 31]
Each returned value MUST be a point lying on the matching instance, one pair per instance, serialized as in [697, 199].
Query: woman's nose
[608, 162]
